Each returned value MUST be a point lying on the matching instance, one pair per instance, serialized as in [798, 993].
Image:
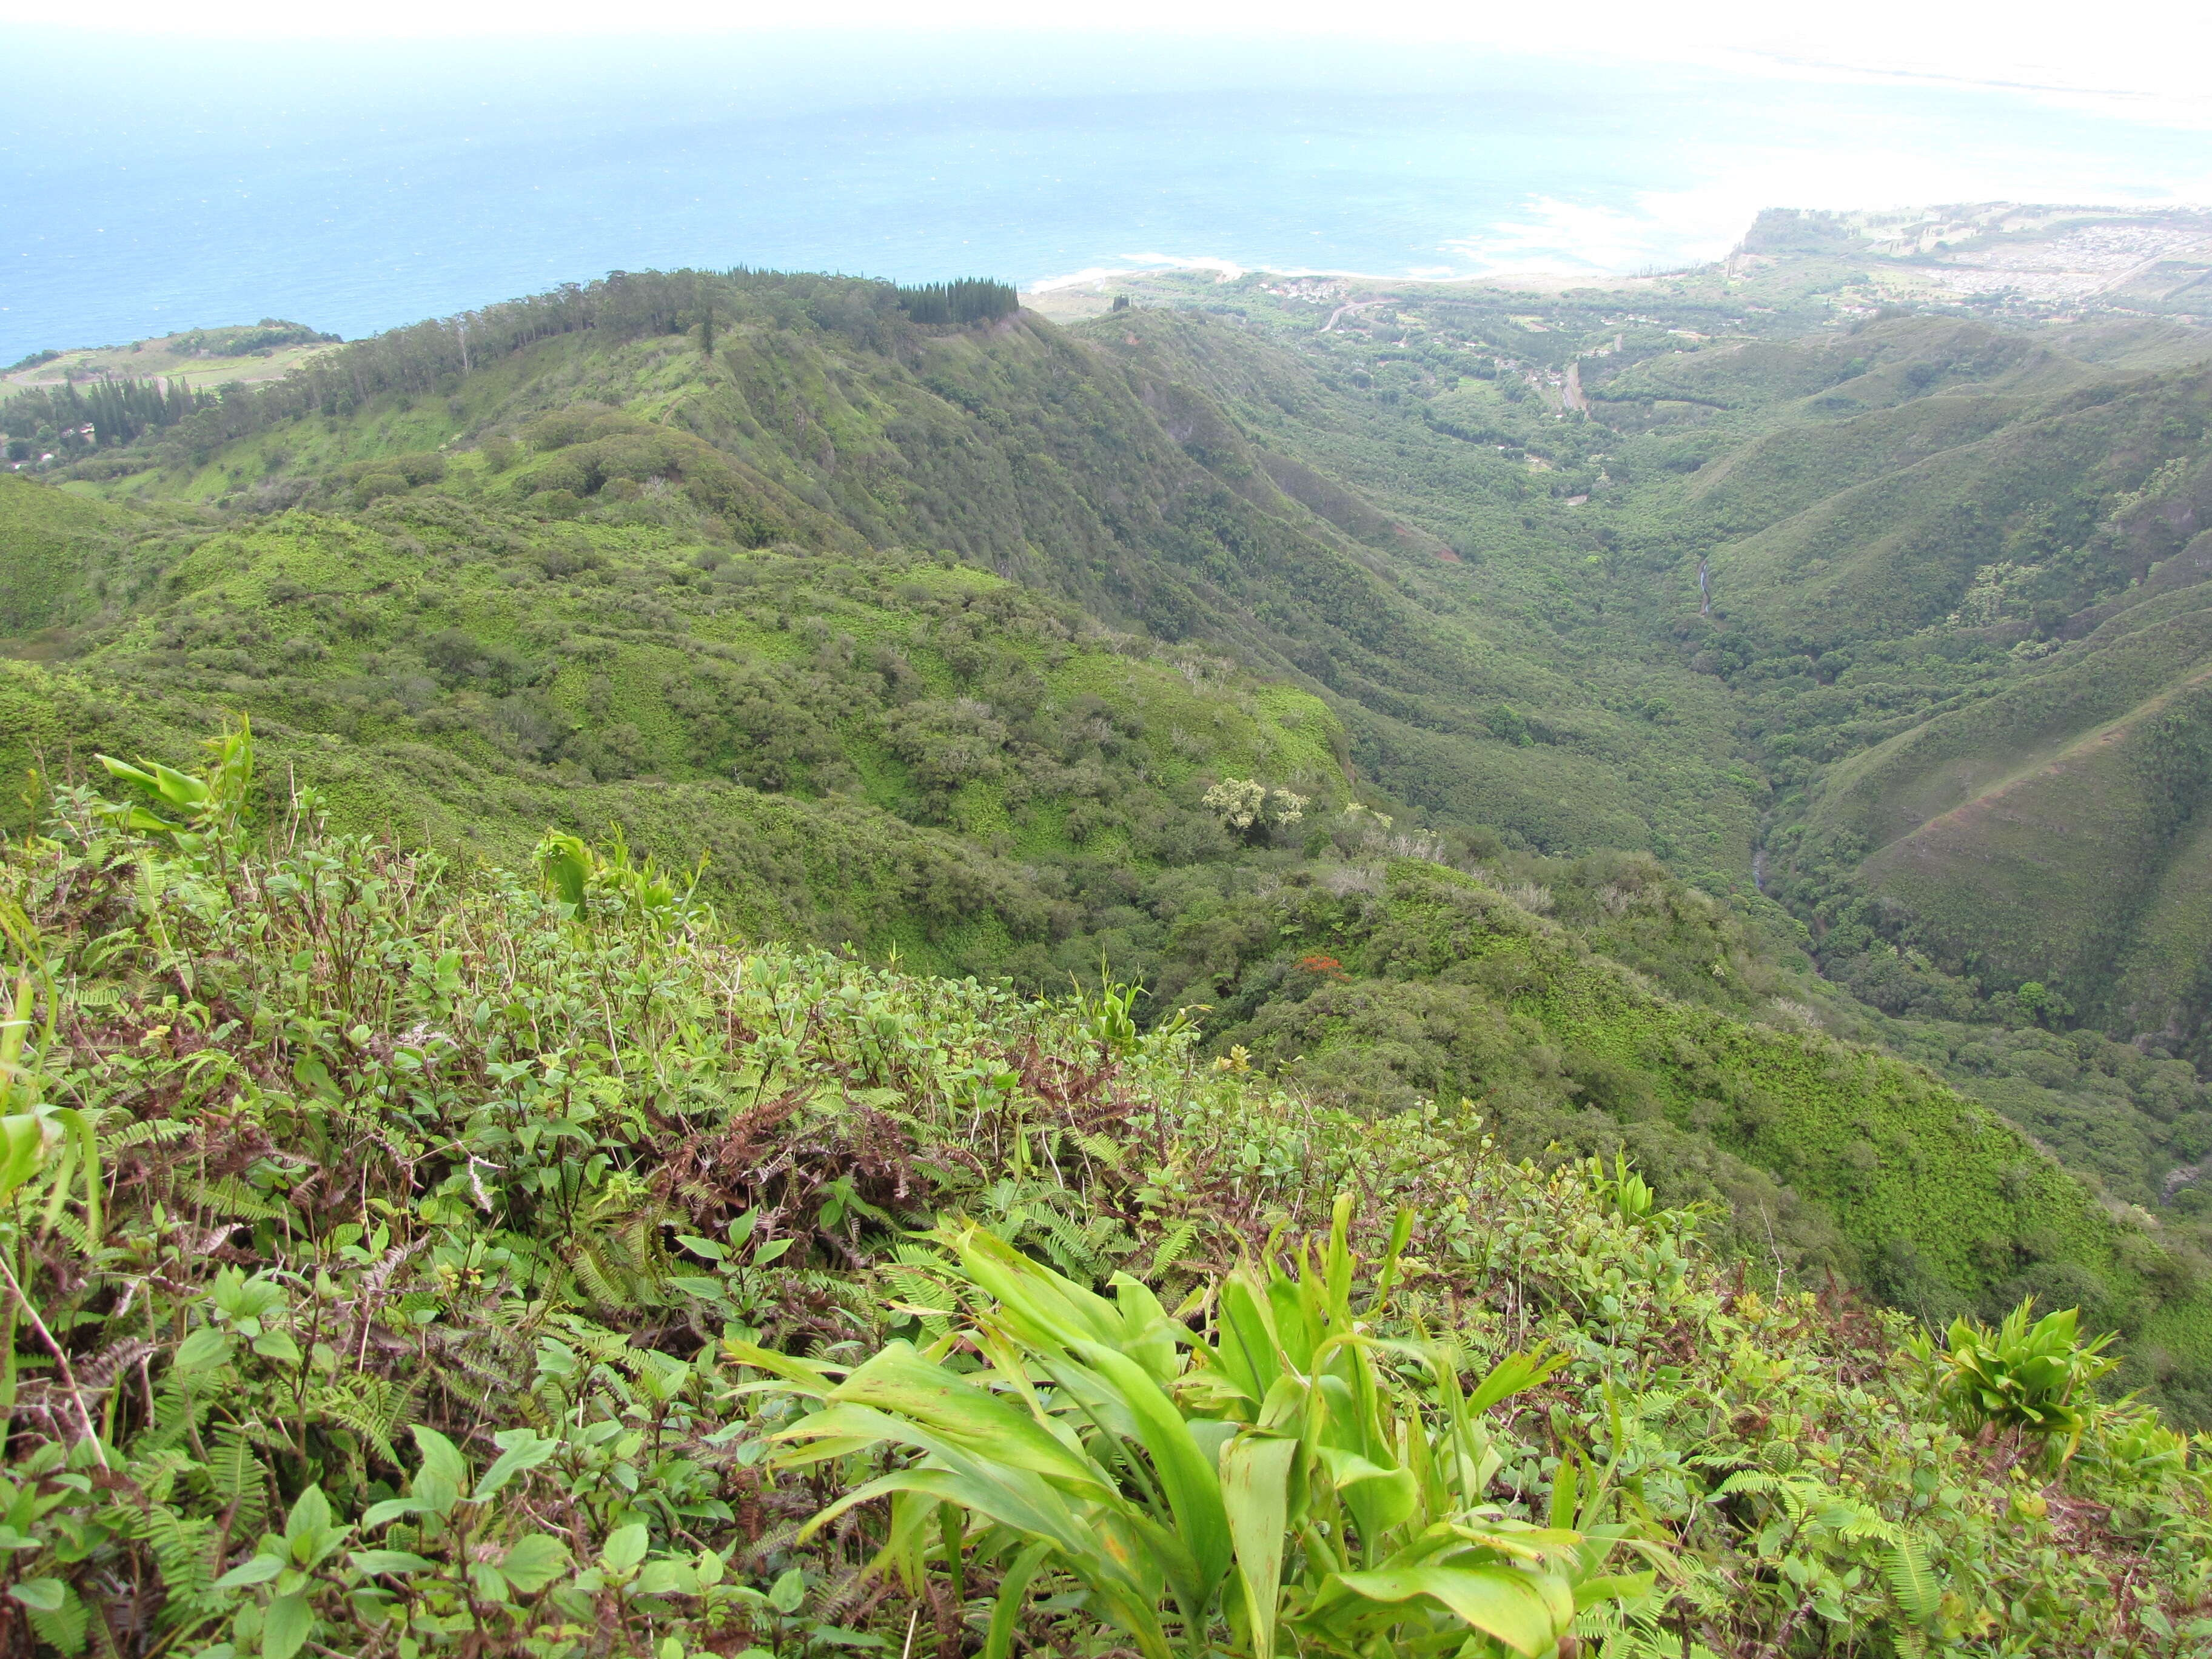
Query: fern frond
[1099, 1149]
[1756, 1480]
[918, 1289]
[228, 1196]
[233, 1469]
[372, 1406]
[182, 1548]
[1070, 1248]
[177, 1409]
[146, 1131]
[1172, 1244]
[65, 1628]
[1911, 1580]
[1858, 1526]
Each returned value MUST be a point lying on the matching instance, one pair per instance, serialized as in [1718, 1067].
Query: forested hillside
[1725, 727]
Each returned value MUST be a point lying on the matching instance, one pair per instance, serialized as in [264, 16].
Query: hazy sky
[2150, 54]
[360, 167]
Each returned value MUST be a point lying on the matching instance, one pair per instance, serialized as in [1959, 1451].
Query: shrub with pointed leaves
[1289, 1480]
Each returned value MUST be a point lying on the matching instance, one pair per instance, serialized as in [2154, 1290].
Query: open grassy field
[203, 358]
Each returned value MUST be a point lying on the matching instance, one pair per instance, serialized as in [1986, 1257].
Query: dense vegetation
[967, 300]
[107, 414]
[1481, 729]
[388, 1251]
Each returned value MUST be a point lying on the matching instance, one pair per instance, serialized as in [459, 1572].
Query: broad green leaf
[1247, 1347]
[1517, 1539]
[311, 1514]
[625, 1548]
[1348, 1471]
[1115, 1552]
[1401, 1233]
[23, 1149]
[124, 770]
[1296, 1319]
[40, 1595]
[1337, 1262]
[177, 788]
[257, 1571]
[667, 1578]
[381, 1561]
[311, 1074]
[809, 1376]
[1255, 1476]
[789, 1591]
[532, 1563]
[1565, 1480]
[278, 1346]
[440, 1457]
[523, 1450]
[1018, 1499]
[1043, 1306]
[393, 1508]
[286, 1627]
[204, 1350]
[1150, 1336]
[900, 1383]
[1187, 1481]
[568, 865]
[1510, 1376]
[1612, 1587]
[1527, 1613]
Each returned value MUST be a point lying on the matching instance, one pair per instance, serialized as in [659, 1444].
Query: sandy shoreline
[1532, 279]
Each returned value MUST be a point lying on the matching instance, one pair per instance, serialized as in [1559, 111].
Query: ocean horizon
[151, 187]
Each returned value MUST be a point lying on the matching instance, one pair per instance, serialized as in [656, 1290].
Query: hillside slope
[650, 566]
[465, 1241]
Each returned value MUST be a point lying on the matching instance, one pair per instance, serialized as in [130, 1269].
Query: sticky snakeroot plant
[1287, 1480]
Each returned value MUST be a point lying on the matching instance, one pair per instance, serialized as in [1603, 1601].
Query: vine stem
[61, 1358]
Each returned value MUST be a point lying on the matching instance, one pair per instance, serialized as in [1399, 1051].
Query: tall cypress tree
[969, 300]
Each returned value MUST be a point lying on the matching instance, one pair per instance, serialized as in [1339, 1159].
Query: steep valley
[1751, 725]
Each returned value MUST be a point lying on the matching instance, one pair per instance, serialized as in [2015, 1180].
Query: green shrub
[2034, 1379]
[1293, 1480]
[373, 486]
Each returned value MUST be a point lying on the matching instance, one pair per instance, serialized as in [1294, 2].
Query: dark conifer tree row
[118, 412]
[970, 300]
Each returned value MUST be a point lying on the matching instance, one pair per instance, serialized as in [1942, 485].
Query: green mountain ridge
[648, 570]
[742, 868]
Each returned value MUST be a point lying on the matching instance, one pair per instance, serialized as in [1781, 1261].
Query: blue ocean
[151, 186]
